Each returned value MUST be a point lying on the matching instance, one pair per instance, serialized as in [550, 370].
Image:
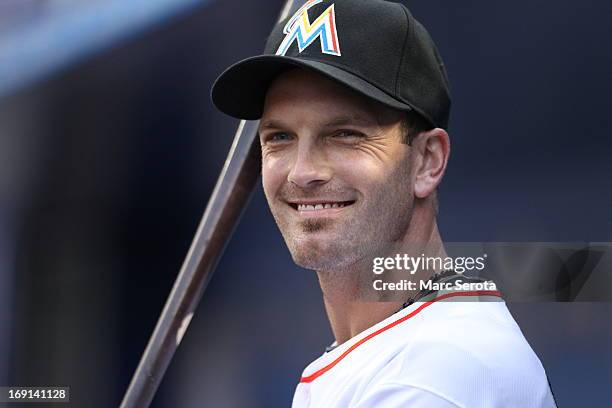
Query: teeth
[315, 207]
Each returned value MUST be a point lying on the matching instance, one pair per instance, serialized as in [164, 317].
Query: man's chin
[317, 253]
[314, 262]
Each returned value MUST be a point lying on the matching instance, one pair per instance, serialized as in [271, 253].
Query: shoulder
[470, 354]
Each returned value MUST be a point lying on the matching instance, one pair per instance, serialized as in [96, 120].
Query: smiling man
[353, 103]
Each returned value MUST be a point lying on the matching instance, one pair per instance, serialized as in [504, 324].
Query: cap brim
[240, 91]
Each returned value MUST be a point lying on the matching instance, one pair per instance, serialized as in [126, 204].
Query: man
[353, 103]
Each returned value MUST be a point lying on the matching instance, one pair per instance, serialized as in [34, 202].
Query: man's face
[336, 173]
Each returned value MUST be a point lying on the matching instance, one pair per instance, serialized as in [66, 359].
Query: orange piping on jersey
[320, 372]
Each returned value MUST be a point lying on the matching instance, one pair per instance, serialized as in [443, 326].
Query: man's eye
[278, 137]
[347, 134]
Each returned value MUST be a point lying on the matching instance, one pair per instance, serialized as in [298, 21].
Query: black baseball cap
[375, 47]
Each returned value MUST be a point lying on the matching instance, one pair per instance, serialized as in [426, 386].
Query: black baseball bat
[229, 198]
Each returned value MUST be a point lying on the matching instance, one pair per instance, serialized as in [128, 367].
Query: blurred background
[110, 148]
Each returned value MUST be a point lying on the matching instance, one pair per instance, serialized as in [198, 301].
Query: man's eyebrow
[271, 124]
[349, 120]
[274, 124]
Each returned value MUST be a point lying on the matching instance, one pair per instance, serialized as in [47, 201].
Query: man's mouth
[315, 206]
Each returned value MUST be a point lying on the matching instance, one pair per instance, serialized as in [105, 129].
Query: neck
[351, 303]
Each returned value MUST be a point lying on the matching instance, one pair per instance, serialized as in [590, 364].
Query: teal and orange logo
[300, 29]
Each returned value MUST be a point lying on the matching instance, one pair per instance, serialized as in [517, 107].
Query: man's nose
[310, 166]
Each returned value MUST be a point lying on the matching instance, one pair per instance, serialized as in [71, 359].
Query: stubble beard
[369, 230]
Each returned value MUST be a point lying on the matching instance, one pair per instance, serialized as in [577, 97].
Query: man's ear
[434, 148]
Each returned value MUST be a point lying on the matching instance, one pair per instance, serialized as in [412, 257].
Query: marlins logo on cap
[387, 56]
[300, 29]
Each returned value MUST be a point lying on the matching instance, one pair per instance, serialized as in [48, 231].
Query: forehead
[301, 91]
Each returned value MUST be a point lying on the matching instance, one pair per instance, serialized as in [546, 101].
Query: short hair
[412, 125]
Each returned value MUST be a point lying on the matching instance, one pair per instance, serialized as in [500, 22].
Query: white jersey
[436, 353]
